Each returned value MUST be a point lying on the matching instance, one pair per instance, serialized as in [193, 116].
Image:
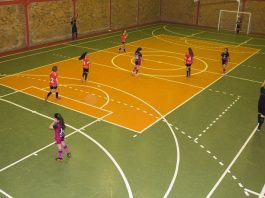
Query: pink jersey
[53, 79]
[123, 38]
[188, 59]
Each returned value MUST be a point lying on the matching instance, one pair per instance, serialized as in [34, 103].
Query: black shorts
[137, 62]
[52, 87]
[188, 65]
[224, 62]
[85, 70]
[123, 43]
[62, 138]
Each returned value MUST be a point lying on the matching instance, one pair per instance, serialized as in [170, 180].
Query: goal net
[228, 21]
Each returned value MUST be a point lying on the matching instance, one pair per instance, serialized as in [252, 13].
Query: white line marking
[234, 177]
[252, 192]
[221, 163]
[231, 164]
[135, 136]
[262, 193]
[240, 185]
[214, 157]
[4, 193]
[113, 160]
[244, 42]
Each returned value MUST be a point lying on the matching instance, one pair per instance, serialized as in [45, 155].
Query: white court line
[75, 131]
[4, 193]
[113, 160]
[244, 42]
[262, 193]
[251, 191]
[231, 164]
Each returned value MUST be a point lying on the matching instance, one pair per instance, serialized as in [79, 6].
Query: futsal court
[160, 134]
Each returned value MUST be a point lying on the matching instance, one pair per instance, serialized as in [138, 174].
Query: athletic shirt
[123, 38]
[53, 79]
[86, 63]
[188, 59]
[262, 97]
[59, 132]
[225, 55]
[138, 56]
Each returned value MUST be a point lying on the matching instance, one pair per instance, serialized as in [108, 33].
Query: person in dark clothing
[261, 106]
[74, 27]
[238, 26]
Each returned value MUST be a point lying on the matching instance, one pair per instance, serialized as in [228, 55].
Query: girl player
[59, 126]
[188, 60]
[225, 59]
[86, 64]
[138, 61]
[53, 83]
[123, 40]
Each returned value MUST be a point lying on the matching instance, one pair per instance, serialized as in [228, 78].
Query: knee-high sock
[49, 94]
[60, 153]
[260, 121]
[66, 149]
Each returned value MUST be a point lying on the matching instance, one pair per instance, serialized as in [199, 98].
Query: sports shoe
[59, 159]
[69, 155]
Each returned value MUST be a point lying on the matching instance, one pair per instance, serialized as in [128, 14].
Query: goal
[228, 18]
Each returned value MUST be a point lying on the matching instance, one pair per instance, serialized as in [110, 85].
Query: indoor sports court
[155, 133]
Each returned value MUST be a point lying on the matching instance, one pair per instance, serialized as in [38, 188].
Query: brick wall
[12, 23]
[93, 16]
[49, 21]
[179, 11]
[149, 11]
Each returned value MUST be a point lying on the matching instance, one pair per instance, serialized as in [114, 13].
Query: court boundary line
[232, 163]
[4, 193]
[76, 130]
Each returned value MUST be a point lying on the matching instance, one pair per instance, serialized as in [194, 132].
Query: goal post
[228, 18]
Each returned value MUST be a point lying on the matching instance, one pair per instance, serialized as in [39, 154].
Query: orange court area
[114, 95]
